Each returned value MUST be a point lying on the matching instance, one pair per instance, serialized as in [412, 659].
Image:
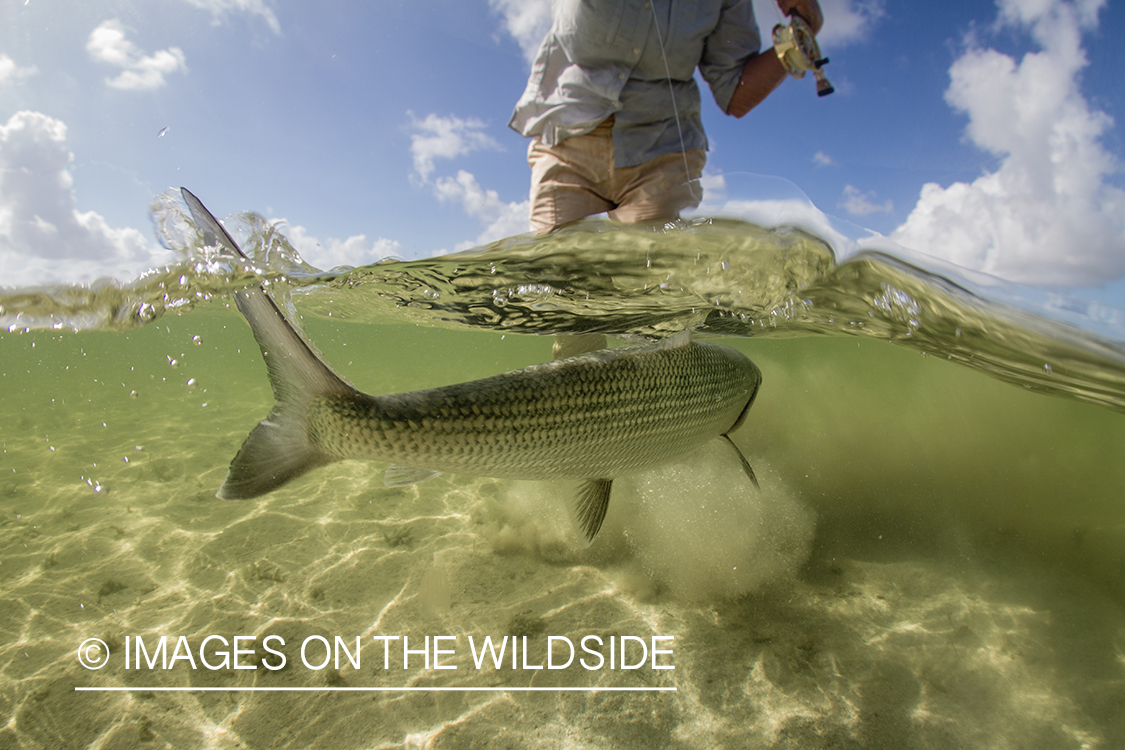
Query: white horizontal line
[260, 689]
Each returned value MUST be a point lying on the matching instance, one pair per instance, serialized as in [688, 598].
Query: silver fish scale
[595, 415]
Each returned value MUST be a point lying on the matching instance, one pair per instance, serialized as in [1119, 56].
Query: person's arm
[764, 72]
[761, 74]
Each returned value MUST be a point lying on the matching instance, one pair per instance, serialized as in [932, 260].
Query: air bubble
[146, 312]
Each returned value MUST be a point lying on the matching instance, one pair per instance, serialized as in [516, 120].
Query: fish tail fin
[278, 449]
[274, 452]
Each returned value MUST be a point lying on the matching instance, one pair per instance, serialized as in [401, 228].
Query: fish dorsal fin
[404, 476]
[590, 507]
[681, 339]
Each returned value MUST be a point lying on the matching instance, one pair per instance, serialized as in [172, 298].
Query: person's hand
[806, 9]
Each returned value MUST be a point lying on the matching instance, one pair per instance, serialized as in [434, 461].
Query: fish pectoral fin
[590, 507]
[404, 476]
[745, 464]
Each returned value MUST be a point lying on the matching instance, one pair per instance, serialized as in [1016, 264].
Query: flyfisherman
[614, 111]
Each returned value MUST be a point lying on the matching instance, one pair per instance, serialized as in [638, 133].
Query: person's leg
[659, 189]
[568, 180]
[577, 179]
[568, 184]
[655, 191]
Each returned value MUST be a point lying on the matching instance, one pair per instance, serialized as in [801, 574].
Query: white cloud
[845, 21]
[437, 137]
[333, 252]
[1047, 214]
[43, 236]
[858, 203]
[140, 72]
[822, 159]
[527, 21]
[220, 8]
[784, 212]
[848, 21]
[768, 202]
[10, 72]
[502, 219]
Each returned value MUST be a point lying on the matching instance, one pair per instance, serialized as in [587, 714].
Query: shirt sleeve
[735, 39]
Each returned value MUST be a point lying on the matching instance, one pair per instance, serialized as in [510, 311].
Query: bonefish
[592, 417]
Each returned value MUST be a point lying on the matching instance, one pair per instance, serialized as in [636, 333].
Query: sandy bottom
[875, 647]
[933, 562]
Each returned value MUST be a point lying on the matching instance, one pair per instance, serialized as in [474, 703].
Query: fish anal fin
[590, 507]
[404, 476]
[745, 464]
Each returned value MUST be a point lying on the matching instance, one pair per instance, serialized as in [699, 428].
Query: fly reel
[799, 53]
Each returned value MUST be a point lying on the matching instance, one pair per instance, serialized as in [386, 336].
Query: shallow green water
[935, 558]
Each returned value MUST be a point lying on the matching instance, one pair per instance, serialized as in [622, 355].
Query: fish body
[594, 416]
[600, 414]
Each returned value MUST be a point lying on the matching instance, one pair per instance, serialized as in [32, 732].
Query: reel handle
[823, 87]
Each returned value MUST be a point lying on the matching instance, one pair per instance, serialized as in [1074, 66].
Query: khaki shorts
[577, 178]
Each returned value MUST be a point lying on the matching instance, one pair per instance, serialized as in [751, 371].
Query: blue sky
[986, 134]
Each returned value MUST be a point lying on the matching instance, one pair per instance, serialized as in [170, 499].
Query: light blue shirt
[603, 57]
